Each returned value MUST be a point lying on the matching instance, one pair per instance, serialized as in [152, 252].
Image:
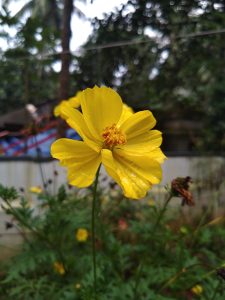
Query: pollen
[113, 136]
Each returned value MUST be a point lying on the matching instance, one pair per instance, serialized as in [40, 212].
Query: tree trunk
[64, 78]
[65, 56]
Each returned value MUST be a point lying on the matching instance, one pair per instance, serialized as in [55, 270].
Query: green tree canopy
[164, 62]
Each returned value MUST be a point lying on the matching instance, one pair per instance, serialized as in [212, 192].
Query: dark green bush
[139, 256]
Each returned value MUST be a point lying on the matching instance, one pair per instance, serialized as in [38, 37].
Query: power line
[202, 33]
[121, 44]
[139, 41]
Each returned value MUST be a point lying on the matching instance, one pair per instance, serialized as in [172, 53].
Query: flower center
[113, 136]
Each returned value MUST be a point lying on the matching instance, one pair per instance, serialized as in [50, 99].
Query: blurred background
[166, 56]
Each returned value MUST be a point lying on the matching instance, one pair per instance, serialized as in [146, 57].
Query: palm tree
[48, 11]
[56, 14]
[66, 33]
[65, 44]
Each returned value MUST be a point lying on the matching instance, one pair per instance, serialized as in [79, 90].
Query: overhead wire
[138, 40]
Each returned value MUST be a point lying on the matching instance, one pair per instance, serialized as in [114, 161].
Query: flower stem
[93, 232]
[142, 263]
[162, 211]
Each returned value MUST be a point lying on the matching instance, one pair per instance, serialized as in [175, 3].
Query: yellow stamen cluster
[113, 136]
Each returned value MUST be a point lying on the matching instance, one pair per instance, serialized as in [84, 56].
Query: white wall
[27, 173]
[206, 172]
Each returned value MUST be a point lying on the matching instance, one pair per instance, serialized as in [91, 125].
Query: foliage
[160, 63]
[171, 72]
[22, 72]
[28, 69]
[141, 253]
[23, 80]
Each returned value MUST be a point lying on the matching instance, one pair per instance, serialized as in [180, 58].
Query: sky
[81, 29]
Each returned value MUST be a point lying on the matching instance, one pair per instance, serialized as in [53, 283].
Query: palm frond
[26, 8]
[79, 13]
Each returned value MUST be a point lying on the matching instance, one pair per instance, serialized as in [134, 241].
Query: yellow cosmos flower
[127, 111]
[59, 268]
[197, 289]
[123, 142]
[35, 189]
[57, 109]
[73, 102]
[81, 235]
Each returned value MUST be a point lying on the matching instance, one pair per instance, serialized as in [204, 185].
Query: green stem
[138, 277]
[93, 232]
[39, 157]
[162, 211]
[142, 263]
[198, 228]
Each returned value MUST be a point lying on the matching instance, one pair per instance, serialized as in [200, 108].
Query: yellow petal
[101, 107]
[138, 123]
[82, 174]
[66, 149]
[135, 175]
[81, 160]
[141, 165]
[57, 110]
[126, 113]
[75, 120]
[157, 155]
[109, 164]
[144, 142]
[74, 101]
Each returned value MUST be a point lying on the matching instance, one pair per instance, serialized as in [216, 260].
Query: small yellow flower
[82, 235]
[73, 102]
[183, 230]
[151, 202]
[36, 189]
[127, 109]
[77, 286]
[122, 141]
[57, 109]
[59, 268]
[197, 289]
